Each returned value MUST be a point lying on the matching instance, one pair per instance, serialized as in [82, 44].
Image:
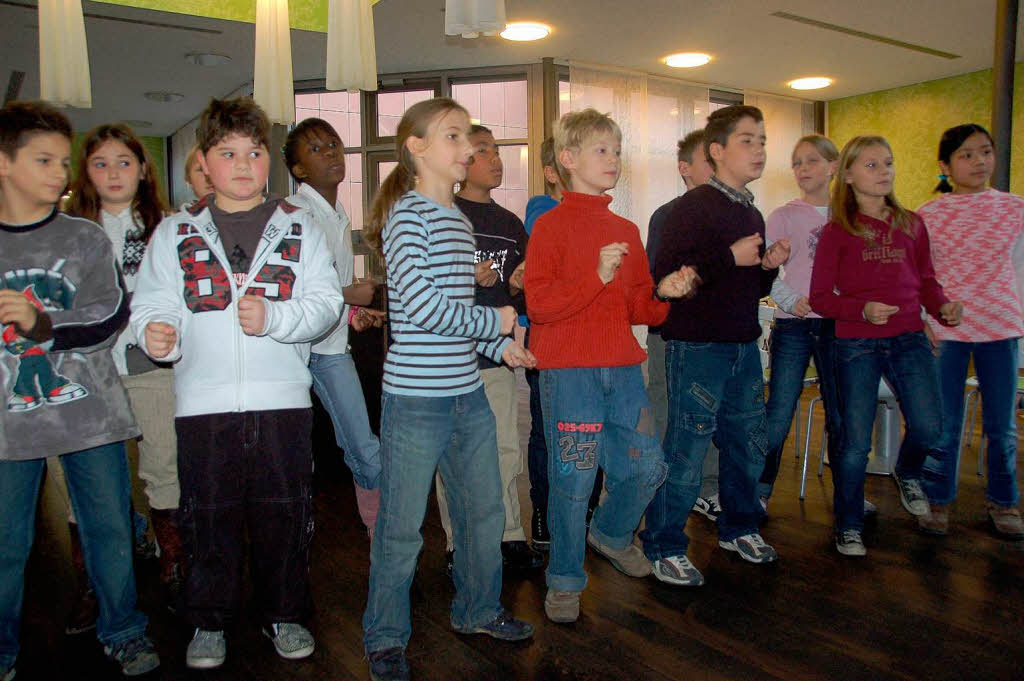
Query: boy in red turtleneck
[587, 281]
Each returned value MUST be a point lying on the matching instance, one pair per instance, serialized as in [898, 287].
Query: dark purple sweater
[701, 227]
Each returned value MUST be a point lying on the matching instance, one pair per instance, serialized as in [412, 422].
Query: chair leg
[971, 403]
[796, 427]
[807, 446]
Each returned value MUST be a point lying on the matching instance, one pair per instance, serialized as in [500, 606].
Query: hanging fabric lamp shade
[63, 54]
[272, 77]
[351, 48]
[470, 18]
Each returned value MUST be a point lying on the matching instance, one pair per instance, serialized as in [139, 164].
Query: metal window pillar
[1002, 89]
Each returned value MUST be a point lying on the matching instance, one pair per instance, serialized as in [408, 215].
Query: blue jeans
[596, 417]
[794, 342]
[336, 383]
[715, 392]
[419, 435]
[536, 448]
[99, 488]
[907, 363]
[996, 365]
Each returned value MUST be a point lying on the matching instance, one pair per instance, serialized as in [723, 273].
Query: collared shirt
[337, 227]
[743, 196]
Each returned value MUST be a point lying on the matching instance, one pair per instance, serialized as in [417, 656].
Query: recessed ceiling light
[133, 123]
[163, 96]
[813, 83]
[522, 31]
[687, 60]
[207, 59]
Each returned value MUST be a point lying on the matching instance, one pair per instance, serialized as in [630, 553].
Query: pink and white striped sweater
[972, 238]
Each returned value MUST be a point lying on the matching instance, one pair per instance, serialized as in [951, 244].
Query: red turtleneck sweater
[576, 320]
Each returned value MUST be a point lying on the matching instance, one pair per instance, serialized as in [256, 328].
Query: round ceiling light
[687, 60]
[163, 96]
[523, 31]
[812, 83]
[207, 59]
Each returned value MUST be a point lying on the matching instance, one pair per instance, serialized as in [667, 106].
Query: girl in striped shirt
[434, 412]
[973, 229]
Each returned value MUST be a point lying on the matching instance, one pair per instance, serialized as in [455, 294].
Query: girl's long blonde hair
[843, 207]
[415, 123]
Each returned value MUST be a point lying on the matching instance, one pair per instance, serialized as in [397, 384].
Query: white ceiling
[751, 48]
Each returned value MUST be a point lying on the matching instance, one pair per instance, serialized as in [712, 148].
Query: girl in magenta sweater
[872, 273]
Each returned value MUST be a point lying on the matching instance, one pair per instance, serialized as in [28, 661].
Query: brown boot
[172, 554]
[1006, 521]
[84, 607]
[936, 521]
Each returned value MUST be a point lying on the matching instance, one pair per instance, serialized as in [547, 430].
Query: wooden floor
[916, 608]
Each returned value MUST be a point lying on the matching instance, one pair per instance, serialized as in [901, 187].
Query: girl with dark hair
[974, 229]
[116, 185]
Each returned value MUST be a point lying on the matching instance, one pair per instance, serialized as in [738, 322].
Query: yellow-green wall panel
[309, 15]
[913, 118]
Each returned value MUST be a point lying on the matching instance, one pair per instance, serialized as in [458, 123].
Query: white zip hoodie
[186, 281]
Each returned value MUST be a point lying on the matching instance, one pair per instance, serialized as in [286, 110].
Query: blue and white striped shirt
[437, 330]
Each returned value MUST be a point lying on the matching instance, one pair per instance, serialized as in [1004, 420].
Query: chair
[886, 436]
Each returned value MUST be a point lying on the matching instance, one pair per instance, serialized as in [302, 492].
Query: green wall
[154, 145]
[913, 118]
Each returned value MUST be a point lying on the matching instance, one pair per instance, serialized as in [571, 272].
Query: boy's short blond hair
[574, 129]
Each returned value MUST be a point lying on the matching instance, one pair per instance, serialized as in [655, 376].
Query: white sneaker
[752, 548]
[708, 507]
[291, 641]
[207, 650]
[850, 543]
[677, 570]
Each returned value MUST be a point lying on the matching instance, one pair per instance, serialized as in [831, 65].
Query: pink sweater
[801, 223]
[887, 267]
[972, 241]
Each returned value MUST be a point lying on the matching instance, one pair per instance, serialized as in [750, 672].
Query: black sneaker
[541, 540]
[708, 507]
[504, 627]
[517, 555]
[449, 563]
[912, 496]
[136, 657]
[389, 665]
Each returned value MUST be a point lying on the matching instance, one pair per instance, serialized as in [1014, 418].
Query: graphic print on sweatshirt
[878, 248]
[37, 377]
[499, 251]
[276, 278]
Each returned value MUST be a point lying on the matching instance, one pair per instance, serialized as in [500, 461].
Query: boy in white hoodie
[232, 291]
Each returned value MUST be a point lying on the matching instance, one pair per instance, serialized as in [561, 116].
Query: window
[392, 105]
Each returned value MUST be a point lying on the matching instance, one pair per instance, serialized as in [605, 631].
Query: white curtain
[351, 47]
[272, 75]
[786, 120]
[470, 18]
[63, 54]
[654, 114]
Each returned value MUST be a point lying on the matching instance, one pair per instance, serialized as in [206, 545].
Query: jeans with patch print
[596, 417]
[715, 392]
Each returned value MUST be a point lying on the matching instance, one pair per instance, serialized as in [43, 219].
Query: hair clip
[943, 177]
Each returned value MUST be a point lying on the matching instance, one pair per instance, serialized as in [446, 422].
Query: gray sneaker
[136, 657]
[752, 548]
[292, 641]
[562, 606]
[912, 496]
[629, 561]
[7, 673]
[207, 650]
[850, 543]
[677, 570]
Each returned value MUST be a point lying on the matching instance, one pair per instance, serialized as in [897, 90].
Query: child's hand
[777, 254]
[746, 251]
[508, 317]
[17, 309]
[679, 284]
[951, 313]
[879, 313]
[610, 260]
[802, 307]
[160, 339]
[360, 292]
[485, 275]
[515, 281]
[366, 318]
[515, 355]
[252, 315]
